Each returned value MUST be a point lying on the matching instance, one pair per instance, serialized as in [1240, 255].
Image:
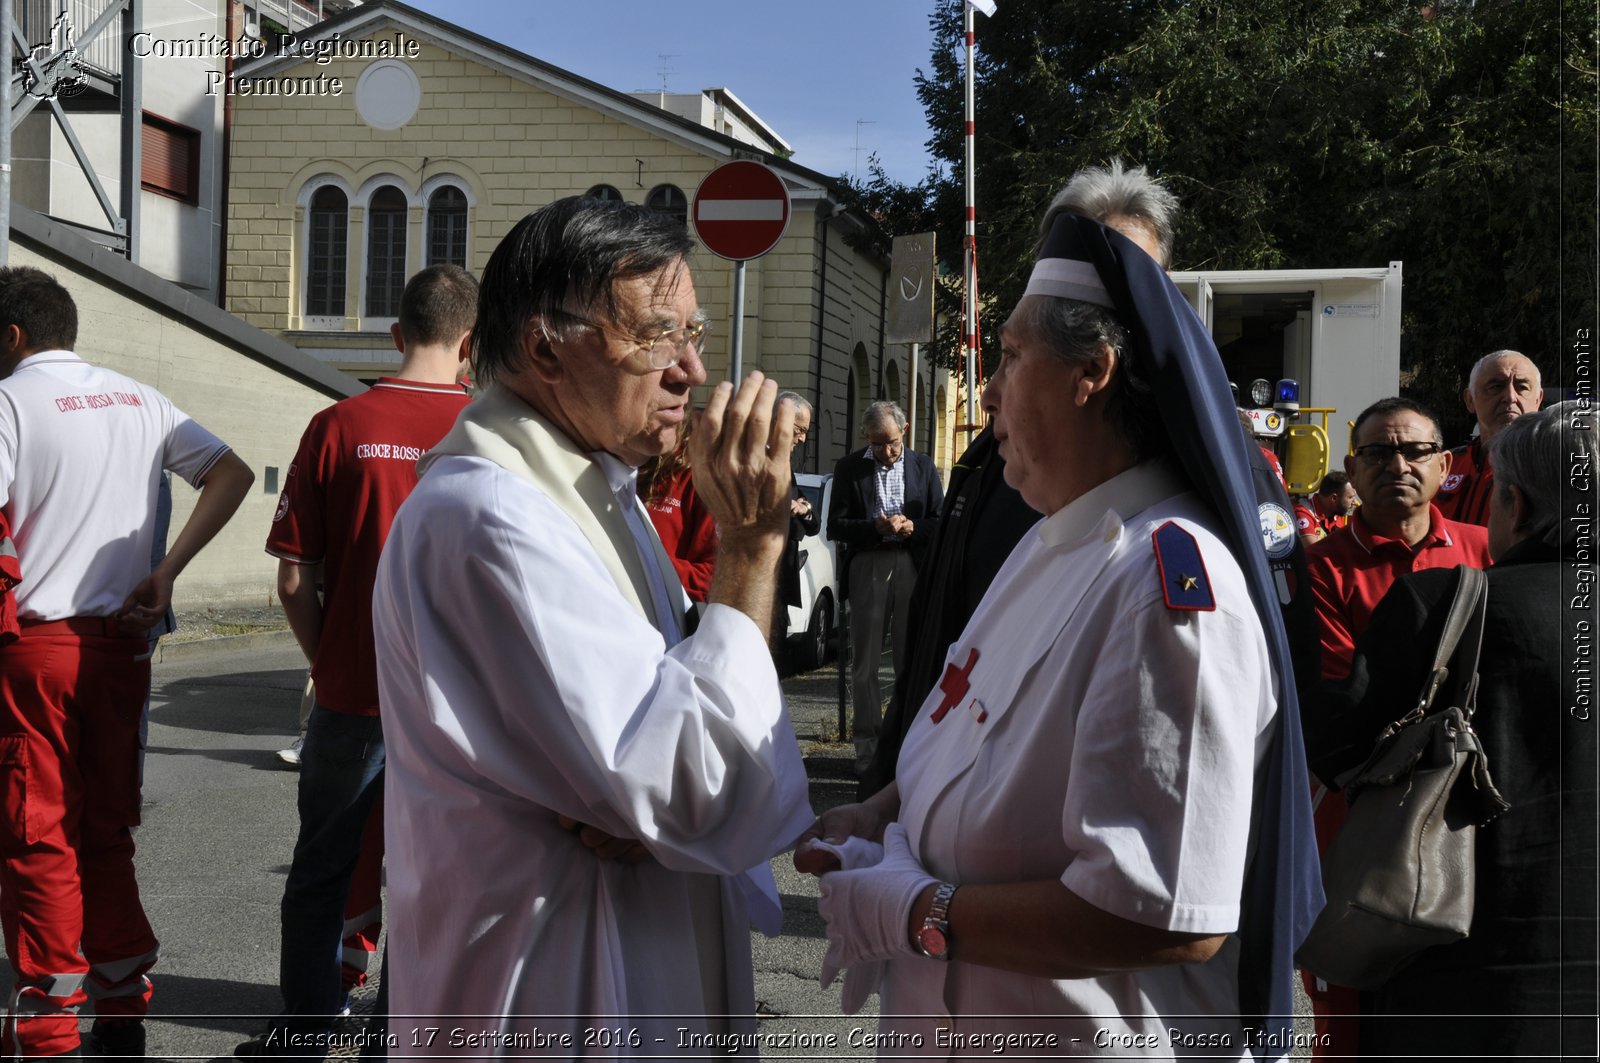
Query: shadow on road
[201, 1003]
[241, 703]
[212, 1004]
[800, 917]
[256, 759]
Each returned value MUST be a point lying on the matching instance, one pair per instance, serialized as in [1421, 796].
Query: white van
[814, 623]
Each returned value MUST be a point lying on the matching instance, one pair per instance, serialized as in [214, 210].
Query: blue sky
[811, 70]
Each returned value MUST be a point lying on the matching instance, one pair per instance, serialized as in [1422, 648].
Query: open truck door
[1335, 331]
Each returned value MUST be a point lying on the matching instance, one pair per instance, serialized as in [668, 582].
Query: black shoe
[272, 1045]
[255, 1048]
[116, 1038]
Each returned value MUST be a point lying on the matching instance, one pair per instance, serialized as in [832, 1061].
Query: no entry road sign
[740, 210]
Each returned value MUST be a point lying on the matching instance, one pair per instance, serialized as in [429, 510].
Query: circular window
[387, 94]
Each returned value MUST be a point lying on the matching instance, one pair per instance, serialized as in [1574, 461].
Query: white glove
[853, 852]
[862, 980]
[868, 915]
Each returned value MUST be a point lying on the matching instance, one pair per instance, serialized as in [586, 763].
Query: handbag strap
[1474, 588]
[1463, 627]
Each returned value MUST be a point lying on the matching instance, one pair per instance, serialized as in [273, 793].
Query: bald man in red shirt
[1503, 386]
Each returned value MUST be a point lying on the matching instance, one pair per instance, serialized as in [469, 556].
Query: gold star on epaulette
[1188, 583]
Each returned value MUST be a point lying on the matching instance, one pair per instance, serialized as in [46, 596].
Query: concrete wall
[177, 240]
[708, 109]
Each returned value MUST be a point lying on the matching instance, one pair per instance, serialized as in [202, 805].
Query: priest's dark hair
[558, 267]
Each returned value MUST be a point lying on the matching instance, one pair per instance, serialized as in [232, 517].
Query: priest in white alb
[545, 702]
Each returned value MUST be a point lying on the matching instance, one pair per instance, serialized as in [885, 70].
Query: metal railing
[296, 15]
[103, 55]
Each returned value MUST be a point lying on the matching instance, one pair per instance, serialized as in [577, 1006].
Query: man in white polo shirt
[81, 452]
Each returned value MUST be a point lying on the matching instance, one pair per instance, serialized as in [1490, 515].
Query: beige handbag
[1399, 876]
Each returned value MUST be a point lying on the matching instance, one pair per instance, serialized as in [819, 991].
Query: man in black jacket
[803, 521]
[886, 506]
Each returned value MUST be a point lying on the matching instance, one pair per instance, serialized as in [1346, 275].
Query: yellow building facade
[390, 140]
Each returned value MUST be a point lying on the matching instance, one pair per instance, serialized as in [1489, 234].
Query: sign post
[740, 212]
[911, 265]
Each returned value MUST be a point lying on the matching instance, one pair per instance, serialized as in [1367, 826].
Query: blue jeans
[341, 776]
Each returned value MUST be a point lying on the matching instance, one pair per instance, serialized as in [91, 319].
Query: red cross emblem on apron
[954, 685]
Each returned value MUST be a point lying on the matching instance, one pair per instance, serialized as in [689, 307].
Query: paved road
[219, 827]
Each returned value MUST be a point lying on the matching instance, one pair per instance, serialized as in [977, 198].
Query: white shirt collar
[44, 357]
[621, 477]
[1110, 504]
[878, 465]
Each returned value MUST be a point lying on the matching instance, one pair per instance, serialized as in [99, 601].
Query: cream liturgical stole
[502, 428]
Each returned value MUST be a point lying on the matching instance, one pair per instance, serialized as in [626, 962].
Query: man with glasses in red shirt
[1398, 464]
[1399, 460]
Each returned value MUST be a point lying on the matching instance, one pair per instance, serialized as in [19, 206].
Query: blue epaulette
[1184, 583]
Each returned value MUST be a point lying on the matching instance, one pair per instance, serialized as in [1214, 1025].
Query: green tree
[932, 205]
[1457, 137]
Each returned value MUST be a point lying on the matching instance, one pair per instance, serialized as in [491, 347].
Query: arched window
[605, 192]
[330, 223]
[447, 227]
[669, 200]
[386, 252]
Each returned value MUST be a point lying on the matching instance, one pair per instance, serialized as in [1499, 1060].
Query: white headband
[1068, 278]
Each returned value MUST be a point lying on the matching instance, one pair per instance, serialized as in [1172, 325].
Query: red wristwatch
[934, 936]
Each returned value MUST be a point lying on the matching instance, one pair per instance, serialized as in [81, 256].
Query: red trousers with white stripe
[1336, 1009]
[363, 911]
[69, 775]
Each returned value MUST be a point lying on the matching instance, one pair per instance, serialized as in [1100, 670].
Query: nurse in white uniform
[1064, 851]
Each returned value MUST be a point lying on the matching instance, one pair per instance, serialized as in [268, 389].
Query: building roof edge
[59, 242]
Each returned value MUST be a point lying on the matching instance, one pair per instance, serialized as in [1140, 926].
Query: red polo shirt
[356, 463]
[1352, 569]
[1307, 521]
[1464, 494]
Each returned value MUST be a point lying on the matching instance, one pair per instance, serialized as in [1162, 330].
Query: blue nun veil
[1172, 351]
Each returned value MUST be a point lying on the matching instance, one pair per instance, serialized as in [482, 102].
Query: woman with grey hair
[1529, 958]
[1065, 851]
